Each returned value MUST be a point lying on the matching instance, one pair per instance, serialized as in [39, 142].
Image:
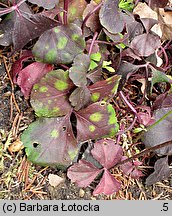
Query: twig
[144, 152]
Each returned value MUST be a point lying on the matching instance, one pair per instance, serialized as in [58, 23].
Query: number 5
[165, 207]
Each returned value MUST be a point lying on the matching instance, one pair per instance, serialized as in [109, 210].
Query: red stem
[92, 43]
[91, 13]
[65, 13]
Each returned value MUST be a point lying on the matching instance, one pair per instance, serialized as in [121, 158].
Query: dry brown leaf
[144, 11]
[55, 180]
[16, 146]
[165, 20]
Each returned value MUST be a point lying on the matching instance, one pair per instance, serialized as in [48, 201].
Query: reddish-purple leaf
[93, 21]
[161, 171]
[18, 65]
[47, 4]
[31, 75]
[158, 3]
[80, 97]
[148, 23]
[145, 44]
[98, 89]
[108, 184]
[33, 25]
[95, 75]
[83, 173]
[130, 168]
[163, 100]
[95, 121]
[160, 132]
[107, 153]
[49, 96]
[50, 141]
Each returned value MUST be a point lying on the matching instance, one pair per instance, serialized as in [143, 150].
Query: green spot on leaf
[96, 117]
[51, 55]
[92, 128]
[56, 30]
[36, 87]
[112, 115]
[54, 133]
[43, 89]
[75, 37]
[95, 96]
[62, 42]
[60, 85]
[73, 11]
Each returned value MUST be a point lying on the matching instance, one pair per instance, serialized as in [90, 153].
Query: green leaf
[50, 141]
[49, 97]
[96, 121]
[59, 45]
[78, 71]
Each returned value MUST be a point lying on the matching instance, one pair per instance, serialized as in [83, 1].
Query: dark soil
[12, 186]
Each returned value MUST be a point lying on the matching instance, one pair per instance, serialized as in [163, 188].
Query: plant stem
[65, 13]
[92, 43]
[144, 152]
[127, 102]
[91, 13]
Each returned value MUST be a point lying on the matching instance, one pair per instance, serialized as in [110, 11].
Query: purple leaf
[80, 97]
[158, 3]
[148, 23]
[160, 132]
[49, 95]
[108, 184]
[47, 4]
[130, 168]
[78, 71]
[161, 171]
[95, 75]
[107, 153]
[98, 89]
[18, 65]
[163, 100]
[145, 44]
[60, 45]
[110, 12]
[31, 75]
[83, 173]
[55, 147]
[33, 25]
[95, 121]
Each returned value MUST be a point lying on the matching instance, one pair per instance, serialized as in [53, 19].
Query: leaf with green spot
[75, 9]
[59, 45]
[49, 95]
[98, 89]
[96, 121]
[78, 71]
[55, 145]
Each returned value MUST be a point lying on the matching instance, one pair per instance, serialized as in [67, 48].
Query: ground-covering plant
[81, 55]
